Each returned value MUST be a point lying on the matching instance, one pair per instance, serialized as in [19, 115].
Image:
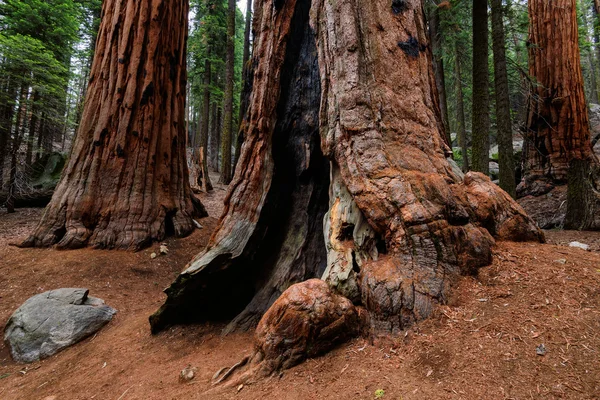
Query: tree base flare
[66, 232]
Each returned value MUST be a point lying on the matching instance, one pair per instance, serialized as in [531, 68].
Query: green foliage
[379, 393]
[207, 40]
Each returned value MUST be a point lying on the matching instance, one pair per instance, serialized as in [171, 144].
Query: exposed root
[219, 377]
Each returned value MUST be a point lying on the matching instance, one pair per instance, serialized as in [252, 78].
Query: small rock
[561, 261]
[48, 322]
[579, 245]
[187, 374]
[540, 350]
[240, 387]
[164, 250]
[197, 224]
[153, 256]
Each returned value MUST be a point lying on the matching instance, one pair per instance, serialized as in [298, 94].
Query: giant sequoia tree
[343, 175]
[126, 182]
[558, 134]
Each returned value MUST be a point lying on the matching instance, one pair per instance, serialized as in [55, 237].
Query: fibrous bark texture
[401, 222]
[126, 182]
[557, 124]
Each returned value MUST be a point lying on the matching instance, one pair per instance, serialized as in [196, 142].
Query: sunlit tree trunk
[126, 182]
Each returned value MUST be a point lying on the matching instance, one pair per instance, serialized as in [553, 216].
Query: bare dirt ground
[480, 346]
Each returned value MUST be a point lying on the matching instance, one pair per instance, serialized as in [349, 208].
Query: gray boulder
[48, 322]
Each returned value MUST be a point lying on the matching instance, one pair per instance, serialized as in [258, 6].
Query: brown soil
[481, 346]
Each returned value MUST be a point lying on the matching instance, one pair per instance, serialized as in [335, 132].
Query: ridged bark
[399, 223]
[481, 87]
[126, 183]
[557, 124]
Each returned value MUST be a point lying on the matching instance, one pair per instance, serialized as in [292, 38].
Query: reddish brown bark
[557, 124]
[126, 183]
[401, 223]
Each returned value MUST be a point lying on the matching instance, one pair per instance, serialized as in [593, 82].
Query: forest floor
[482, 345]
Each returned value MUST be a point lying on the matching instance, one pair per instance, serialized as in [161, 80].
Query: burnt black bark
[287, 245]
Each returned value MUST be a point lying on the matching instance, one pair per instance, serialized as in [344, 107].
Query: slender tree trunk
[228, 104]
[96, 14]
[460, 110]
[593, 89]
[247, 72]
[8, 110]
[596, 30]
[126, 183]
[16, 145]
[41, 134]
[506, 159]
[32, 127]
[202, 151]
[435, 37]
[390, 223]
[481, 84]
[215, 138]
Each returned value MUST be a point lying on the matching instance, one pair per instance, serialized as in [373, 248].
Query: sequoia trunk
[126, 183]
[557, 124]
[343, 175]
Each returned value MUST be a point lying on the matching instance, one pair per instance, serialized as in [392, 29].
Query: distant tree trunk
[16, 145]
[596, 26]
[96, 14]
[435, 37]
[344, 176]
[41, 133]
[201, 152]
[7, 112]
[226, 137]
[557, 124]
[215, 139]
[481, 85]
[460, 111]
[246, 83]
[32, 127]
[506, 160]
[126, 183]
[590, 57]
